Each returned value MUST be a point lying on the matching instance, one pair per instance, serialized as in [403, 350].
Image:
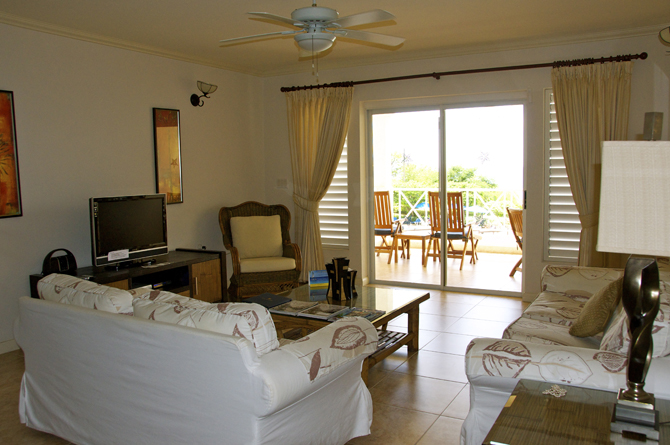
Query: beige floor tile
[445, 431]
[479, 328]
[448, 343]
[427, 322]
[416, 392]
[508, 302]
[494, 313]
[459, 407]
[442, 306]
[435, 365]
[396, 426]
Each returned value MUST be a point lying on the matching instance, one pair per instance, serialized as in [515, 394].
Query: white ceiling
[190, 30]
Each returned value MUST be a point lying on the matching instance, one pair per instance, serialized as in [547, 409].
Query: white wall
[84, 128]
[650, 93]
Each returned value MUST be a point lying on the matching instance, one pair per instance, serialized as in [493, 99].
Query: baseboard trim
[8, 346]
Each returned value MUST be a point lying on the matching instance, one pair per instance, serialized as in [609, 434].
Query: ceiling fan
[319, 27]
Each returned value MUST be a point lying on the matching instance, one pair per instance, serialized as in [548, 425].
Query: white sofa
[538, 346]
[100, 377]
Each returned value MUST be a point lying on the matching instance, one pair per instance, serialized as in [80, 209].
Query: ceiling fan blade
[277, 18]
[363, 18]
[257, 36]
[371, 37]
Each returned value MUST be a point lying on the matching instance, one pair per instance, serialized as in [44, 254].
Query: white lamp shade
[315, 42]
[635, 198]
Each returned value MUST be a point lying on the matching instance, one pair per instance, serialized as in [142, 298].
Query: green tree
[462, 178]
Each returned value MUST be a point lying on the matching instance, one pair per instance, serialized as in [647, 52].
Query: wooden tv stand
[189, 272]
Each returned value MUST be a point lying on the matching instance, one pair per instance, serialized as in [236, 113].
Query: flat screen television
[125, 229]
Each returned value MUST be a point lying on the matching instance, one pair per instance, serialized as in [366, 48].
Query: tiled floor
[491, 272]
[419, 399]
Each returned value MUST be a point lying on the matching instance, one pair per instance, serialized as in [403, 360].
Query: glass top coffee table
[395, 302]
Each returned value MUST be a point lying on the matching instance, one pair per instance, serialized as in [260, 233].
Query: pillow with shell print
[247, 320]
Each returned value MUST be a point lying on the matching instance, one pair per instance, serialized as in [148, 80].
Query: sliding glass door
[475, 152]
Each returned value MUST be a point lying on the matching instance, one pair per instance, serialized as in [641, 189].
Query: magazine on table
[309, 309]
[370, 314]
[293, 307]
[324, 311]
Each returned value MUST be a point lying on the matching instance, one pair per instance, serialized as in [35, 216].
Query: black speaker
[61, 264]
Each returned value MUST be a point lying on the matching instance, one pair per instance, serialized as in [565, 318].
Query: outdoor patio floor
[490, 273]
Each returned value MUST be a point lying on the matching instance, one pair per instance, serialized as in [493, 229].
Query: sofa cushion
[72, 290]
[267, 264]
[580, 279]
[597, 311]
[617, 338]
[247, 320]
[257, 236]
[543, 332]
[557, 307]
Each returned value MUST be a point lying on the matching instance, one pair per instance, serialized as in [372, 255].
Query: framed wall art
[10, 190]
[167, 144]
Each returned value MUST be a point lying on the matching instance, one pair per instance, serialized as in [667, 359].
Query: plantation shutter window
[334, 207]
[562, 226]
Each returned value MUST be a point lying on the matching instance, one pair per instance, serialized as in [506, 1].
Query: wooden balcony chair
[457, 230]
[263, 257]
[385, 226]
[516, 221]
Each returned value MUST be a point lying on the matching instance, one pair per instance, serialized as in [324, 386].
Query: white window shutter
[562, 226]
[334, 207]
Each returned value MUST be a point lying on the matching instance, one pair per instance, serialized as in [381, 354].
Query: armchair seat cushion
[267, 264]
[384, 232]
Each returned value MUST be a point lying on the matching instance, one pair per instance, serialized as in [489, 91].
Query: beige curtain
[318, 120]
[592, 105]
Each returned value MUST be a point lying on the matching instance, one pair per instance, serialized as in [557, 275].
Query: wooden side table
[406, 237]
[582, 416]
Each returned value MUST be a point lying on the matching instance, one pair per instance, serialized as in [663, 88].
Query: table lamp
[635, 219]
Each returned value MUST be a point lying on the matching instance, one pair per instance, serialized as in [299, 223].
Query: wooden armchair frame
[516, 222]
[248, 284]
[385, 226]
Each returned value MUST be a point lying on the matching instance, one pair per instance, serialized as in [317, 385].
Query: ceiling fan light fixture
[664, 35]
[315, 42]
[313, 14]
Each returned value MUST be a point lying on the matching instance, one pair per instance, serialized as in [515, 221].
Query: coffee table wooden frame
[398, 340]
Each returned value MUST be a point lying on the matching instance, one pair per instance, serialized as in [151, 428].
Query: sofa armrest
[551, 363]
[334, 345]
[582, 279]
[285, 375]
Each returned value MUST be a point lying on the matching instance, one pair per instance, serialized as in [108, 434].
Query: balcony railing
[485, 208]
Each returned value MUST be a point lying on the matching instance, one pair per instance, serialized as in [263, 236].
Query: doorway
[476, 151]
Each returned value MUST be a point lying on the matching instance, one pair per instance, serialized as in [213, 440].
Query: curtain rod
[437, 76]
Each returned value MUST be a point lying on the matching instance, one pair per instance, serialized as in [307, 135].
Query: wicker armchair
[245, 283]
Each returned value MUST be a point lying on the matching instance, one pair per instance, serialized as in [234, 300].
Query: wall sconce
[206, 89]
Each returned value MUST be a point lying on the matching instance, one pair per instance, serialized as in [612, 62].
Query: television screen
[125, 228]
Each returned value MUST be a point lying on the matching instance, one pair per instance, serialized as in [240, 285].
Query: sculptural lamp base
[634, 411]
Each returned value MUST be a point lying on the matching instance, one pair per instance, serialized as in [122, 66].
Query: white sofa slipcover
[538, 346]
[94, 377]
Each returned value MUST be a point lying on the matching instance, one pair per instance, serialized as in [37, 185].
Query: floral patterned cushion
[72, 290]
[617, 338]
[324, 350]
[576, 279]
[557, 307]
[248, 320]
[543, 332]
[518, 360]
